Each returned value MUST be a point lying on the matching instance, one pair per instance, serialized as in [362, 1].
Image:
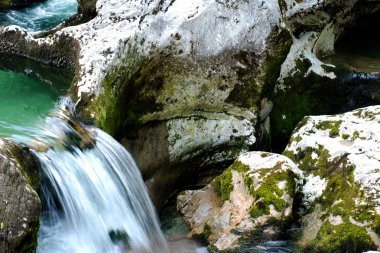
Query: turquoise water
[41, 16]
[28, 92]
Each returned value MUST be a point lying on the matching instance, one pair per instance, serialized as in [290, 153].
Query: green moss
[333, 126]
[128, 93]
[319, 165]
[356, 135]
[298, 138]
[223, 185]
[258, 211]
[206, 230]
[365, 114]
[340, 186]
[270, 194]
[239, 167]
[346, 237]
[106, 108]
[248, 181]
[376, 224]
[345, 136]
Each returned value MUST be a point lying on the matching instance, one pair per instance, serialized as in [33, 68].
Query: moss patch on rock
[223, 185]
[269, 193]
[342, 238]
[332, 126]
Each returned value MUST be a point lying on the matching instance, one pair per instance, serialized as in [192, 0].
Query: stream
[40, 16]
[94, 199]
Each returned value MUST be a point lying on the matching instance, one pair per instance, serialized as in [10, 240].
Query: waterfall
[94, 199]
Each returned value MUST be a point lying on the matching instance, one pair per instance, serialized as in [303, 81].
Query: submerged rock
[19, 202]
[340, 157]
[252, 198]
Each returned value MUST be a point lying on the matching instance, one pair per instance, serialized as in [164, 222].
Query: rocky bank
[188, 86]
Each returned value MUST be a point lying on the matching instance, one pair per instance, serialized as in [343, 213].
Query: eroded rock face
[19, 202]
[340, 157]
[189, 75]
[188, 69]
[254, 195]
[307, 85]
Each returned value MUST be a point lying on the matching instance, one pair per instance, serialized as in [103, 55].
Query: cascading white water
[92, 192]
[41, 16]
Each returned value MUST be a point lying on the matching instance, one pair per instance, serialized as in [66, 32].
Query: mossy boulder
[20, 205]
[182, 102]
[253, 197]
[339, 156]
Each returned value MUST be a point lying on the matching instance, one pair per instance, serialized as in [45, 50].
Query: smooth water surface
[40, 16]
[27, 93]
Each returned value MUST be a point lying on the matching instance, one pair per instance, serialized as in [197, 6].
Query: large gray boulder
[340, 158]
[19, 203]
[179, 95]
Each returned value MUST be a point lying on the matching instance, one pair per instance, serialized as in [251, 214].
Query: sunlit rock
[253, 197]
[339, 155]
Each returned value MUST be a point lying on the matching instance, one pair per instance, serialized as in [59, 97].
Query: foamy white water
[94, 199]
[40, 16]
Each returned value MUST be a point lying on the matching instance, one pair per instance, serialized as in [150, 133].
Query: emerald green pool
[28, 91]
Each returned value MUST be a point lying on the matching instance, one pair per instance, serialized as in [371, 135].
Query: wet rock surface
[19, 202]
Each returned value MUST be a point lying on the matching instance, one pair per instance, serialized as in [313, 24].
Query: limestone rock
[340, 157]
[307, 85]
[19, 202]
[189, 70]
[254, 195]
[183, 78]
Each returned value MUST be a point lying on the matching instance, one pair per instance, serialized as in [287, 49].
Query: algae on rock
[341, 194]
[253, 196]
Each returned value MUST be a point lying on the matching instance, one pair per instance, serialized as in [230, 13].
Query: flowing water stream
[93, 194]
[94, 199]
[40, 16]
